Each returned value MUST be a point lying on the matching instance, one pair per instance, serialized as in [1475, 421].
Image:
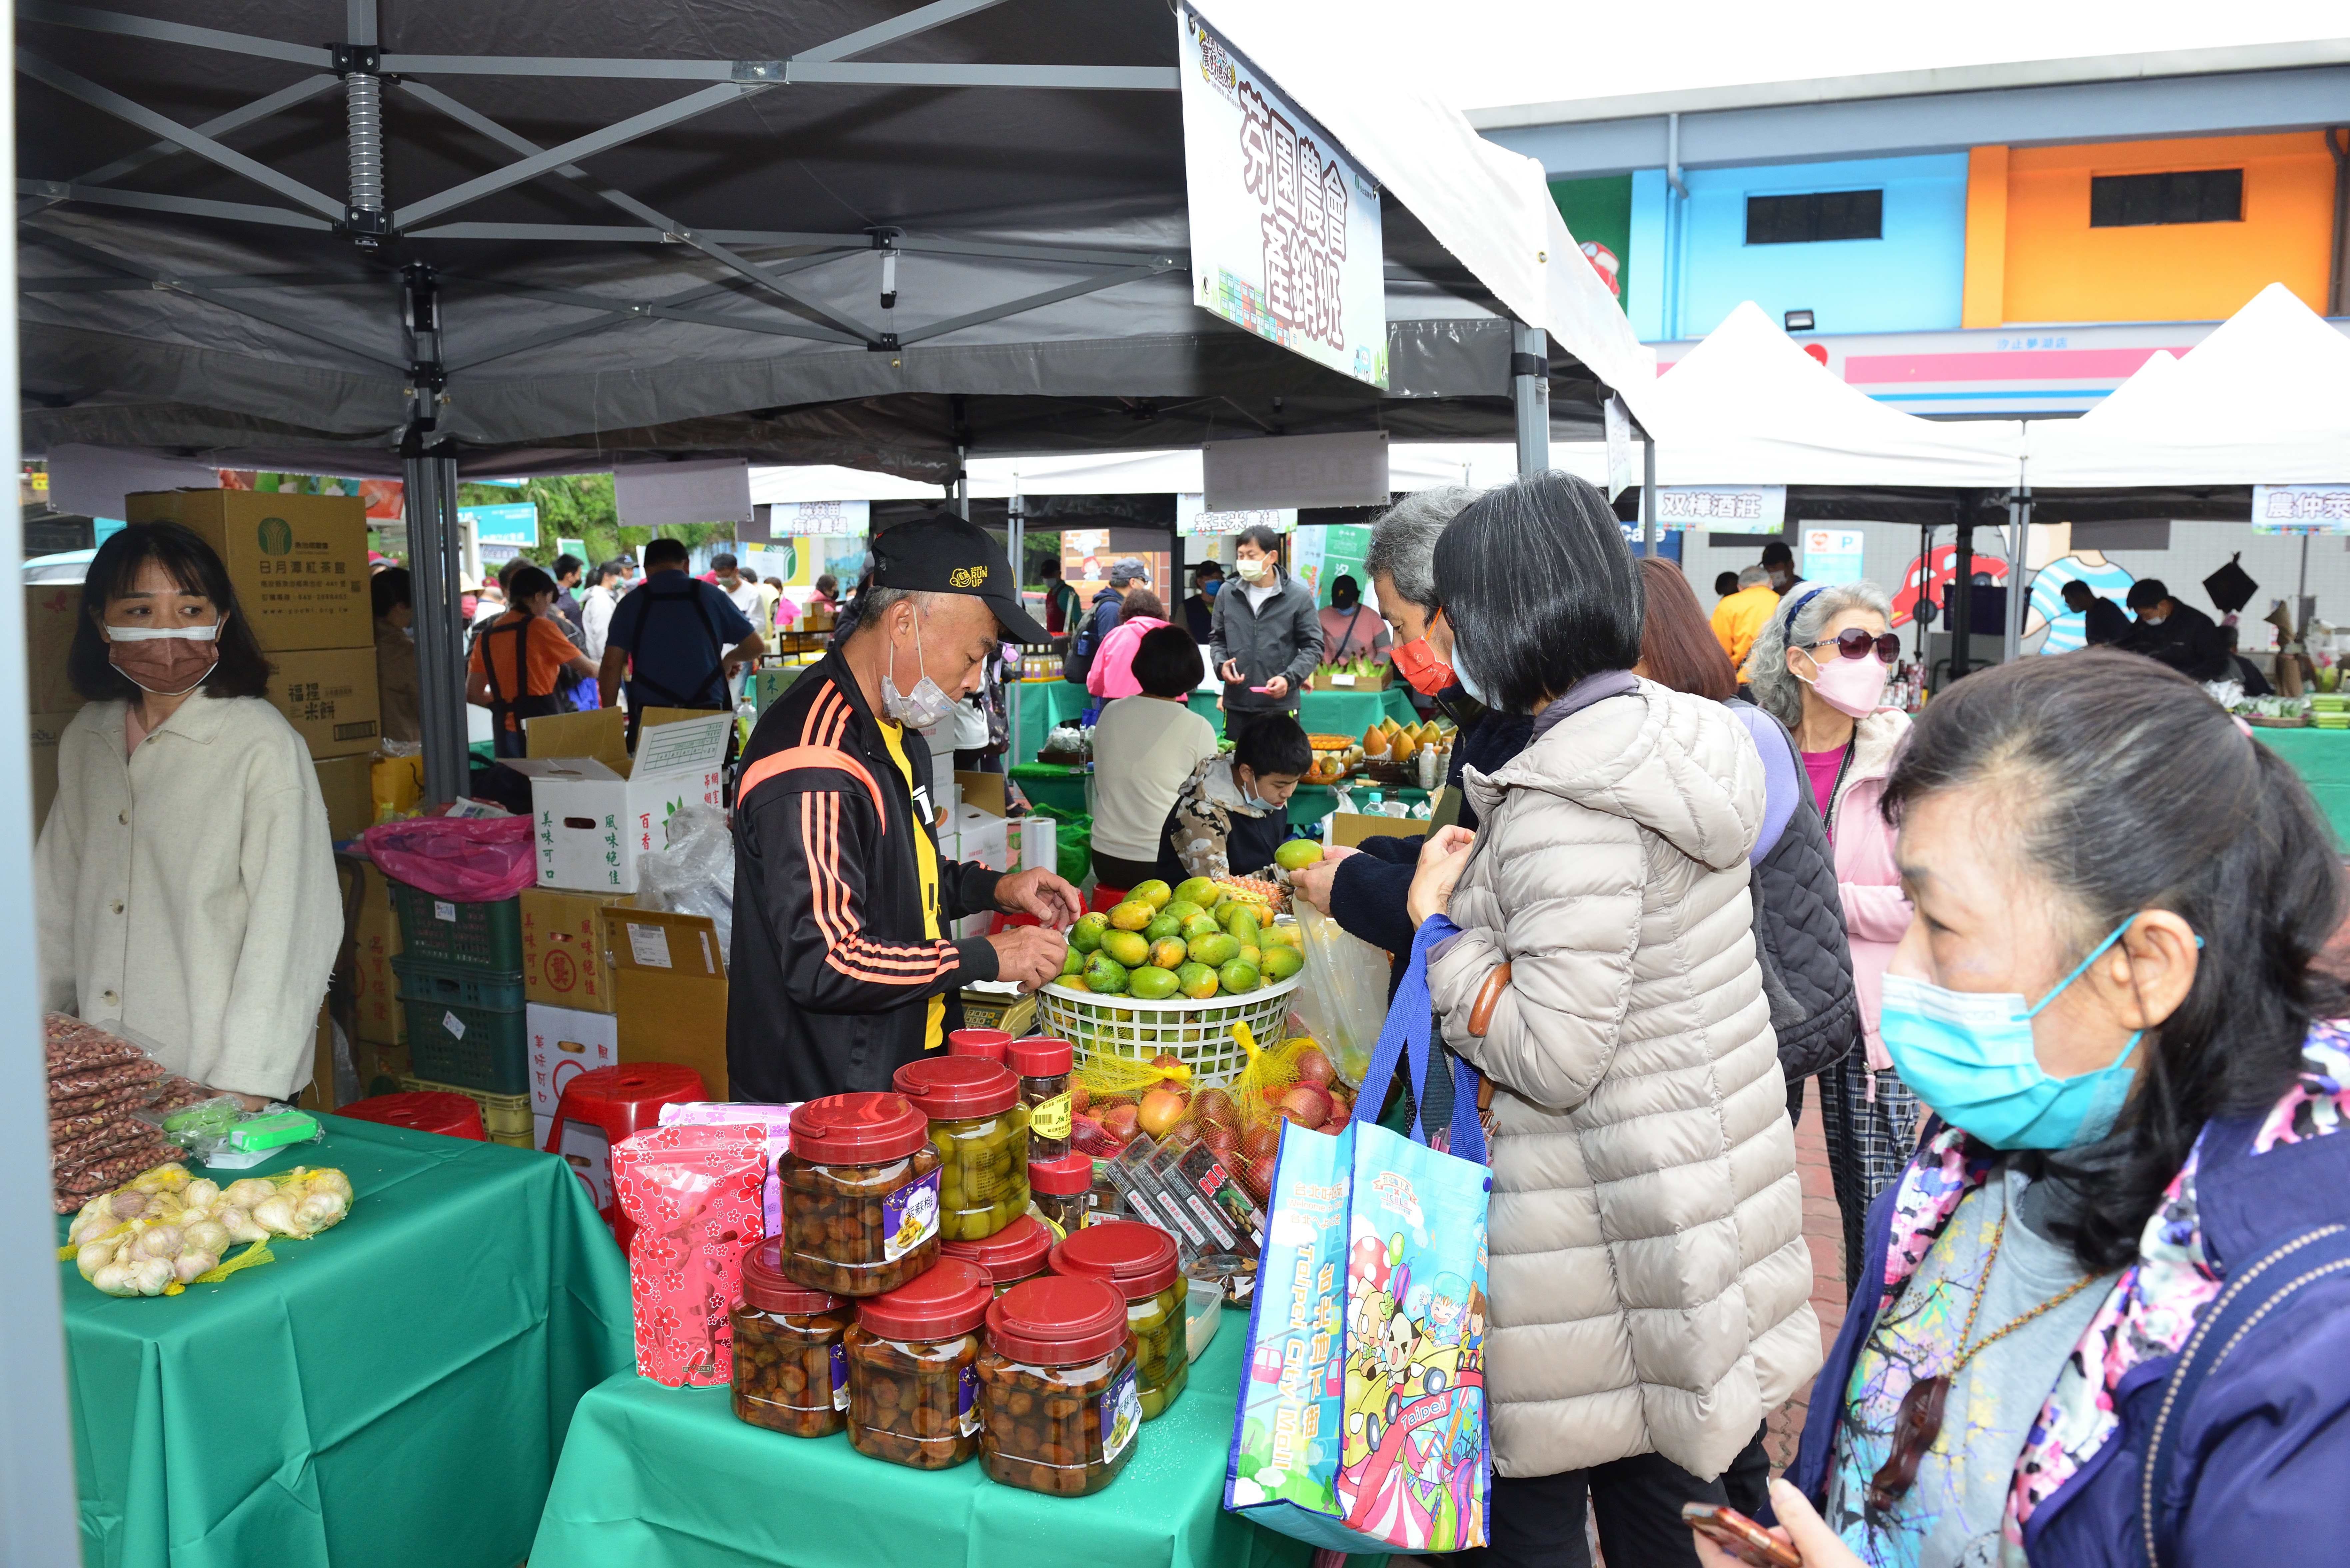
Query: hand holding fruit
[1028, 956]
[1041, 893]
[1310, 881]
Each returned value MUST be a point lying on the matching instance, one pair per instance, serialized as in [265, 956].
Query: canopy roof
[562, 170]
[1411, 465]
[2264, 399]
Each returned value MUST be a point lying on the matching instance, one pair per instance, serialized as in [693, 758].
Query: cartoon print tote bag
[1362, 1421]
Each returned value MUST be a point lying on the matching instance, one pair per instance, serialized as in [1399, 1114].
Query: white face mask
[1257, 570]
[927, 706]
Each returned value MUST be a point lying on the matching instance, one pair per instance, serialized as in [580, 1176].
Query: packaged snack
[1140, 1262]
[860, 1194]
[913, 1383]
[1015, 1253]
[791, 1365]
[1042, 1064]
[694, 1194]
[981, 1132]
[1059, 1410]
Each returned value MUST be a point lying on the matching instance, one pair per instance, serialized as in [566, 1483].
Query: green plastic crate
[450, 930]
[458, 984]
[481, 1048]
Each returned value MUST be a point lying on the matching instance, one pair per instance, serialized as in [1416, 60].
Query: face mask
[1257, 570]
[927, 707]
[169, 661]
[1850, 686]
[1460, 673]
[1211, 586]
[1418, 664]
[2152, 619]
[1969, 1054]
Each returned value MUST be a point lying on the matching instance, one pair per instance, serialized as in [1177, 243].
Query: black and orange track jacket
[830, 974]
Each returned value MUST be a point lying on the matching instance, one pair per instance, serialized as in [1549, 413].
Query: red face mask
[1418, 664]
[165, 662]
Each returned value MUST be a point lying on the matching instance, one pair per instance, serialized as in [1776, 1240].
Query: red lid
[1063, 1178]
[1013, 1252]
[1138, 1259]
[983, 1042]
[1038, 1057]
[766, 1288]
[1057, 1321]
[857, 1129]
[953, 1088]
[947, 1298]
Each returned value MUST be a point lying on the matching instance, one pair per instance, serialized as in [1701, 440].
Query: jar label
[1121, 1415]
[909, 1217]
[839, 1377]
[1050, 1118]
[967, 1399]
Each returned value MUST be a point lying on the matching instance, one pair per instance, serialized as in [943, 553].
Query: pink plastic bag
[776, 1119]
[693, 1192]
[476, 860]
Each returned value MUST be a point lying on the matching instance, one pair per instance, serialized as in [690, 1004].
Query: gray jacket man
[1281, 637]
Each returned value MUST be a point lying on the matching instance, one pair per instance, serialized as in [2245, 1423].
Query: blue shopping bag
[1362, 1423]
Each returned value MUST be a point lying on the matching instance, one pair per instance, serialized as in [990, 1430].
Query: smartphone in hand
[1740, 1536]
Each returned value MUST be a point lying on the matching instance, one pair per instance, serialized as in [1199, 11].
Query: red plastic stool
[605, 1106]
[1000, 922]
[1107, 898]
[451, 1116]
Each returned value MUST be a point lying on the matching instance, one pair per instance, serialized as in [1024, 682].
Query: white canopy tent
[1411, 465]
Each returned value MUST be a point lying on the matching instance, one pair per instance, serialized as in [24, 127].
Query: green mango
[1200, 891]
[1215, 949]
[1105, 975]
[1086, 934]
[1239, 977]
[1159, 929]
[1151, 983]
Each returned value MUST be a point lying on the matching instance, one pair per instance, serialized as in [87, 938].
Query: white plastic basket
[1199, 1033]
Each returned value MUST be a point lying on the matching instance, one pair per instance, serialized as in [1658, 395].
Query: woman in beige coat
[1651, 1283]
[185, 878]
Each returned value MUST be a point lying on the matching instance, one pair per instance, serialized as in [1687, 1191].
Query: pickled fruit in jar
[1163, 1350]
[1139, 1262]
[1043, 1063]
[979, 1129]
[1015, 1253]
[913, 1385]
[791, 1372]
[861, 1192]
[1062, 1191]
[1058, 1405]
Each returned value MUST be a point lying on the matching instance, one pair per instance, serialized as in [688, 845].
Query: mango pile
[1199, 939]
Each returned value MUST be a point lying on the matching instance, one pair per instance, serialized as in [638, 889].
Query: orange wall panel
[1984, 300]
[2058, 268]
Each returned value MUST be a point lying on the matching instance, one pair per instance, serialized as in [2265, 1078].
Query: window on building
[1815, 215]
[2180, 196]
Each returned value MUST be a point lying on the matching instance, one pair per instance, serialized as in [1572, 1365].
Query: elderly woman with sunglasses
[2105, 1314]
[1819, 667]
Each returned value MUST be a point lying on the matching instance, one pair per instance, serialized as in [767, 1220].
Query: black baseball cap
[941, 553]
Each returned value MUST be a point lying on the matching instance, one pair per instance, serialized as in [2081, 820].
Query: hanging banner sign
[1194, 521]
[1724, 508]
[1285, 238]
[843, 519]
[510, 523]
[2301, 508]
[1833, 554]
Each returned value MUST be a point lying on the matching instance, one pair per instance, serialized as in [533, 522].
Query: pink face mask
[1850, 686]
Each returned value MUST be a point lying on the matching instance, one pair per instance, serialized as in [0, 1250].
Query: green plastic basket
[450, 930]
[481, 1048]
[458, 984]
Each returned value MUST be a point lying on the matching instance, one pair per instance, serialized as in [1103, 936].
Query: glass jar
[913, 1383]
[980, 1131]
[1139, 1262]
[791, 1374]
[861, 1195]
[1057, 1402]
[988, 1044]
[1015, 1253]
[1043, 1063]
[1061, 1190]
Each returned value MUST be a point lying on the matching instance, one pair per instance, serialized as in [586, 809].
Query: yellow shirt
[926, 867]
[1738, 617]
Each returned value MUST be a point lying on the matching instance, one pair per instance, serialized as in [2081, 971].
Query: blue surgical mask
[1460, 673]
[1211, 586]
[1969, 1054]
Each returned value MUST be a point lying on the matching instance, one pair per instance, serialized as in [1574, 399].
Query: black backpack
[1085, 642]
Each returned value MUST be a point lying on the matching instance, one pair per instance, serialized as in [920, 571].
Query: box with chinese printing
[564, 1043]
[594, 818]
[298, 563]
[563, 958]
[329, 695]
[376, 942]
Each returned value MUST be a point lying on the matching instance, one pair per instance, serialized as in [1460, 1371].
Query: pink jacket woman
[1875, 912]
[1112, 675]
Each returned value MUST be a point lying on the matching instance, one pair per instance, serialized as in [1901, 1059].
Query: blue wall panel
[1909, 281]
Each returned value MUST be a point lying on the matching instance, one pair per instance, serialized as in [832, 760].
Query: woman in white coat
[185, 875]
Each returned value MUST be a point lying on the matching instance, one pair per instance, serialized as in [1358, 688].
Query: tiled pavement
[1824, 1233]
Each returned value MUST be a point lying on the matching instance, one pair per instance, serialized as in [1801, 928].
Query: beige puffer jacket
[1650, 1280]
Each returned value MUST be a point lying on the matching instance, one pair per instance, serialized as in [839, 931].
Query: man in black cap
[841, 968]
[1200, 608]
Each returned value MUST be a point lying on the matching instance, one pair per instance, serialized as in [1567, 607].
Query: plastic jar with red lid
[913, 1385]
[1062, 1189]
[980, 1130]
[985, 1044]
[1015, 1253]
[1140, 1262]
[1043, 1065]
[1058, 1405]
[791, 1371]
[860, 1194]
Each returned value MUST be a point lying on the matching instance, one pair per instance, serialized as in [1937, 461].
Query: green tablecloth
[393, 1392]
[1311, 803]
[1043, 704]
[1328, 713]
[1048, 784]
[667, 1478]
[2322, 758]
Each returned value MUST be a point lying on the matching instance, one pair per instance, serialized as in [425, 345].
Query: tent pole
[1647, 495]
[432, 496]
[2019, 529]
[1958, 599]
[1530, 395]
[1014, 547]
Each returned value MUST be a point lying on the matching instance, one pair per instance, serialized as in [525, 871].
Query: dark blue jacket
[2261, 1453]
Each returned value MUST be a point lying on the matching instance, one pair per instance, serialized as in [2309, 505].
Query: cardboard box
[982, 839]
[47, 729]
[670, 979]
[1349, 829]
[596, 817]
[562, 960]
[351, 800]
[564, 1043]
[298, 563]
[329, 695]
[381, 1066]
[539, 1127]
[376, 989]
[52, 610]
[1377, 682]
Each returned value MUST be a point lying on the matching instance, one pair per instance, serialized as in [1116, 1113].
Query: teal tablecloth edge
[2322, 758]
[393, 1392]
[667, 1478]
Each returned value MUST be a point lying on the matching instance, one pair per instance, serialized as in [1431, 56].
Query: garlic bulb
[203, 1193]
[161, 1206]
[321, 1210]
[128, 1205]
[169, 1178]
[151, 1275]
[94, 1256]
[160, 1241]
[116, 1279]
[194, 1262]
[239, 1224]
[278, 1214]
[246, 1191]
[210, 1235]
[330, 1181]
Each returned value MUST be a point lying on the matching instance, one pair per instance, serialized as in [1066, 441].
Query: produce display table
[2322, 758]
[1328, 713]
[1050, 783]
[393, 1392]
[1309, 803]
[667, 1478]
[1043, 704]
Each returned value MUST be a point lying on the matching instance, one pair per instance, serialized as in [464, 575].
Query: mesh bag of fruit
[1293, 1082]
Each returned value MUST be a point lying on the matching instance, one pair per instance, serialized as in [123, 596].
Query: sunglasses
[1855, 643]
